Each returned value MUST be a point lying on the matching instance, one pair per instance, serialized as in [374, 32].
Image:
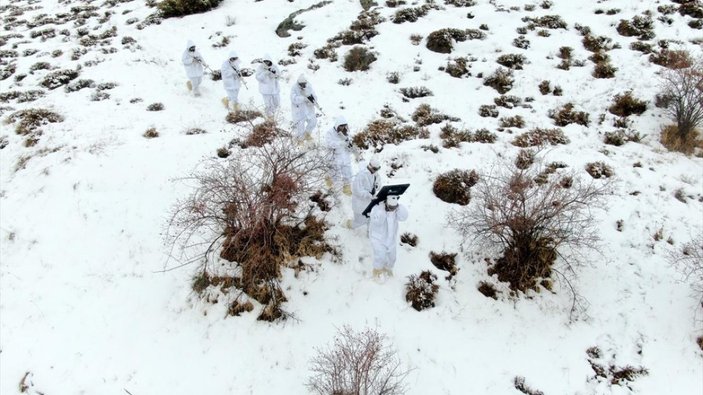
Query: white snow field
[88, 304]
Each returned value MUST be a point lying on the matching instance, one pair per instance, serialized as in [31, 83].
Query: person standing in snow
[383, 233]
[339, 144]
[268, 74]
[364, 187]
[193, 63]
[231, 78]
[303, 102]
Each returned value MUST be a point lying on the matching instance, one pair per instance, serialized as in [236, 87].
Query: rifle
[241, 77]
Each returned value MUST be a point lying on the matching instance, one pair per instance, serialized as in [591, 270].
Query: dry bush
[452, 137]
[393, 77]
[155, 107]
[530, 224]
[174, 8]
[689, 261]
[547, 22]
[357, 363]
[545, 87]
[484, 136]
[640, 46]
[512, 122]
[260, 134]
[445, 261]
[604, 70]
[30, 121]
[253, 210]
[507, 101]
[383, 131]
[22, 97]
[420, 290]
[640, 26]
[538, 136]
[691, 8]
[599, 170]
[566, 115]
[625, 105]
[442, 41]
[525, 158]
[57, 78]
[488, 110]
[488, 290]
[415, 92]
[151, 133]
[242, 116]
[672, 59]
[683, 90]
[521, 42]
[621, 136]
[409, 239]
[512, 61]
[458, 67]
[519, 383]
[501, 80]
[359, 59]
[412, 14]
[425, 115]
[455, 186]
[670, 139]
[597, 43]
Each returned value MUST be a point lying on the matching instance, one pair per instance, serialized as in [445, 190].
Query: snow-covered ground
[87, 308]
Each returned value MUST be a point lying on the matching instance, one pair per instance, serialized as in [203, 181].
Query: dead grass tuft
[455, 185]
[420, 290]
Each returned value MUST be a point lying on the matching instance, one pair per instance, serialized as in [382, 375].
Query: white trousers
[271, 103]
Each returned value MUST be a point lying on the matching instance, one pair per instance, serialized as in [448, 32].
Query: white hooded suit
[268, 85]
[339, 145]
[383, 233]
[231, 78]
[304, 119]
[193, 64]
[364, 187]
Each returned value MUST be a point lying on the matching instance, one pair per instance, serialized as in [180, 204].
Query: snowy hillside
[92, 302]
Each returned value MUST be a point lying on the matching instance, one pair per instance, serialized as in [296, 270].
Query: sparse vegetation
[155, 107]
[539, 137]
[455, 186]
[151, 133]
[682, 97]
[488, 110]
[458, 67]
[501, 80]
[442, 41]
[425, 115]
[174, 8]
[512, 61]
[599, 170]
[421, 290]
[566, 116]
[359, 59]
[57, 78]
[409, 239]
[415, 92]
[625, 105]
[30, 121]
[384, 131]
[488, 290]
[512, 122]
[445, 261]
[639, 26]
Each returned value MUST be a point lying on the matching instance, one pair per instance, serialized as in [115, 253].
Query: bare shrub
[253, 210]
[409, 239]
[421, 290]
[415, 39]
[604, 70]
[442, 41]
[639, 26]
[488, 290]
[512, 122]
[625, 105]
[566, 115]
[599, 170]
[30, 121]
[151, 133]
[507, 101]
[620, 137]
[455, 186]
[174, 8]
[521, 42]
[412, 14]
[529, 223]
[57, 78]
[501, 80]
[525, 158]
[425, 115]
[260, 134]
[545, 87]
[393, 77]
[488, 110]
[458, 67]
[242, 116]
[512, 61]
[539, 136]
[359, 59]
[383, 131]
[672, 59]
[597, 43]
[155, 107]
[547, 22]
[520, 385]
[453, 137]
[689, 261]
[414, 92]
[357, 363]
[683, 89]
[445, 261]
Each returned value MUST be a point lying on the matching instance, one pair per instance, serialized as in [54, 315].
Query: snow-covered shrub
[151, 133]
[415, 39]
[442, 41]
[519, 383]
[452, 137]
[259, 134]
[639, 26]
[671, 58]
[525, 158]
[420, 290]
[547, 22]
[458, 67]
[521, 42]
[507, 101]
[455, 185]
[501, 80]
[326, 52]
[538, 136]
[393, 77]
[22, 97]
[173, 8]
[484, 136]
[386, 131]
[488, 290]
[39, 66]
[488, 110]
[530, 223]
[412, 14]
[599, 170]
[608, 372]
[57, 78]
[409, 239]
[691, 8]
[425, 115]
[516, 121]
[242, 116]
[566, 115]
[682, 89]
[512, 61]
[252, 209]
[77, 85]
[604, 70]
[445, 261]
[155, 107]
[359, 59]
[545, 87]
[29, 121]
[625, 105]
[415, 92]
[460, 3]
[597, 43]
[620, 137]
[357, 363]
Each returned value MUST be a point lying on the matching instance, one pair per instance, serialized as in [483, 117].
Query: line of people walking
[382, 221]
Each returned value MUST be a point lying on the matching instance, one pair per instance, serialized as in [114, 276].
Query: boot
[377, 273]
[346, 189]
[388, 271]
[236, 107]
[308, 137]
[225, 102]
[348, 224]
[328, 182]
[189, 85]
